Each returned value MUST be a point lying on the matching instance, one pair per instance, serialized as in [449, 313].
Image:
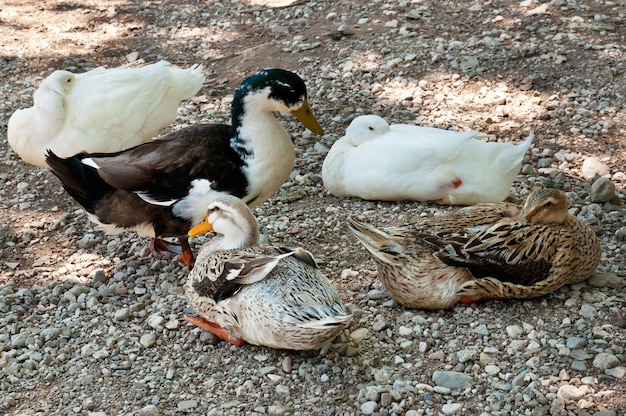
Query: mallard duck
[405, 162]
[162, 188]
[260, 294]
[464, 258]
[103, 110]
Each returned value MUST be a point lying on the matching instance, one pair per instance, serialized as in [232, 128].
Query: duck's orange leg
[187, 256]
[215, 329]
[160, 247]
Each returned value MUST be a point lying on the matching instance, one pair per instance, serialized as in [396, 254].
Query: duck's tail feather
[377, 242]
[79, 180]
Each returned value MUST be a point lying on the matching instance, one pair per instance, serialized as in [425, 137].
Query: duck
[162, 188]
[102, 110]
[378, 161]
[461, 259]
[260, 294]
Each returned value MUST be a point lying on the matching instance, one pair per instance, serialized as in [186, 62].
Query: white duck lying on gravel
[260, 294]
[103, 110]
[378, 161]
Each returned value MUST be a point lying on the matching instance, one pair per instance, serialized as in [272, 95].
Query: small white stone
[451, 408]
[122, 314]
[148, 340]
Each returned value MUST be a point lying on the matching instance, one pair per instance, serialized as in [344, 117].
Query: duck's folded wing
[162, 170]
[224, 275]
[510, 251]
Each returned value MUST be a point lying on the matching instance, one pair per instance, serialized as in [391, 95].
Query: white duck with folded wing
[378, 161]
[102, 110]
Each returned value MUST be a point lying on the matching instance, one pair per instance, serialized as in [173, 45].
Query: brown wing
[164, 168]
[512, 251]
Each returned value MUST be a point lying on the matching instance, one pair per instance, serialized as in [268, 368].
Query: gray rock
[602, 190]
[605, 360]
[575, 343]
[149, 410]
[579, 366]
[451, 408]
[617, 372]
[369, 407]
[452, 379]
[481, 330]
[148, 340]
[122, 314]
[187, 404]
[605, 279]
[587, 311]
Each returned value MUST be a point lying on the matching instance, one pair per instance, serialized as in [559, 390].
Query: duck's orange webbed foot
[466, 300]
[214, 329]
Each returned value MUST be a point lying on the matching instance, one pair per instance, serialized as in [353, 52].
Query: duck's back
[294, 307]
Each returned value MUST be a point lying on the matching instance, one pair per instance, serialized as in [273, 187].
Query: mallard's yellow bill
[305, 115]
[203, 227]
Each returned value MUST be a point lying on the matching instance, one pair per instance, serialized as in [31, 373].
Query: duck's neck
[241, 237]
[264, 146]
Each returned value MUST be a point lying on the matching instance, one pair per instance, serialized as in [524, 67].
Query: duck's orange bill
[203, 227]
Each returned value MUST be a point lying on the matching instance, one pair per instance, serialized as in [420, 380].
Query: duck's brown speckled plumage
[265, 295]
[446, 259]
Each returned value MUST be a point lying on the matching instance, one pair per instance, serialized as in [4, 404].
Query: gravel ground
[90, 324]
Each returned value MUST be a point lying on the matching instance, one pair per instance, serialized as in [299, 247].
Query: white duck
[260, 294]
[375, 160]
[103, 110]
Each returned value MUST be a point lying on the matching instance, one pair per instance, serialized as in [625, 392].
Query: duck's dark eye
[371, 128]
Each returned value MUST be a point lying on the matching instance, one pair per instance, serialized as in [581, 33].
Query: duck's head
[545, 206]
[275, 90]
[59, 82]
[364, 128]
[229, 216]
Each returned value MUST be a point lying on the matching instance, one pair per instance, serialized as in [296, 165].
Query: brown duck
[489, 251]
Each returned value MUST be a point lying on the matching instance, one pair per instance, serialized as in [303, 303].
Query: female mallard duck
[103, 110]
[162, 188]
[262, 295]
[405, 162]
[465, 258]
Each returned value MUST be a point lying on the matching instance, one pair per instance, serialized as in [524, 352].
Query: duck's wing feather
[511, 250]
[163, 169]
[224, 273]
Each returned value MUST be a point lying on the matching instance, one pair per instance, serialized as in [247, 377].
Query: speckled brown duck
[162, 188]
[260, 294]
[447, 259]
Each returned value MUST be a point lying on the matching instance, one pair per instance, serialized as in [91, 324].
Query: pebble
[605, 361]
[452, 379]
[604, 279]
[481, 330]
[359, 335]
[451, 408]
[466, 355]
[369, 407]
[602, 190]
[592, 167]
[587, 311]
[617, 372]
[148, 340]
[187, 404]
[569, 393]
[122, 314]
[149, 410]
